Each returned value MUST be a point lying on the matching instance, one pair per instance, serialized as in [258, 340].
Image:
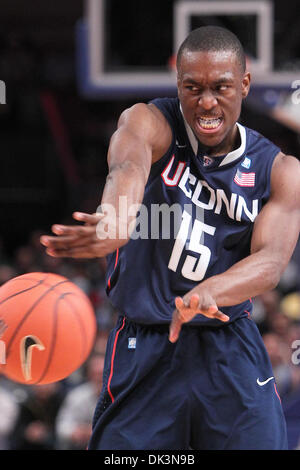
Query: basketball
[47, 327]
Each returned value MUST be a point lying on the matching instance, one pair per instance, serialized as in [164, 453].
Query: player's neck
[231, 142]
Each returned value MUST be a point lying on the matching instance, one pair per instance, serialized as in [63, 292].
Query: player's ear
[246, 84]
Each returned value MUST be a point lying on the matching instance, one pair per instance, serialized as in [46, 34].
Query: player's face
[211, 87]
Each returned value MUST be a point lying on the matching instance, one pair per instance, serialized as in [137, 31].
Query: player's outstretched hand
[187, 308]
[78, 241]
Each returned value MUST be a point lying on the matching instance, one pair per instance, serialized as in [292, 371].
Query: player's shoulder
[285, 164]
[285, 177]
[135, 112]
[168, 107]
[143, 114]
[146, 121]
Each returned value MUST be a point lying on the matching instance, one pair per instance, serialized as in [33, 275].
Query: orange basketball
[47, 328]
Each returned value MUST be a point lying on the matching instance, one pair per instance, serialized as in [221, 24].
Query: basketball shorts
[213, 389]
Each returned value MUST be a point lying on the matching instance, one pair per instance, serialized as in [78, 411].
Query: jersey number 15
[194, 267]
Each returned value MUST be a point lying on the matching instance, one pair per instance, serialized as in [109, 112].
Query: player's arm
[275, 234]
[142, 137]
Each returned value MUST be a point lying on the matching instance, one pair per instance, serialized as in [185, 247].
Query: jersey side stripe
[112, 361]
[116, 262]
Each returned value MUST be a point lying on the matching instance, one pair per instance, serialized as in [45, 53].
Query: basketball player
[186, 367]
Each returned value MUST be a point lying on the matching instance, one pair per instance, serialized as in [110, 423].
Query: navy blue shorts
[211, 390]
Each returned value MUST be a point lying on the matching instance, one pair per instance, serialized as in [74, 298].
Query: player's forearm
[248, 278]
[122, 196]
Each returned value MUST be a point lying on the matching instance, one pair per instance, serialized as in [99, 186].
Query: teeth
[209, 123]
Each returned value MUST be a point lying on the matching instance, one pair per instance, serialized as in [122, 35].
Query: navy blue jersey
[196, 221]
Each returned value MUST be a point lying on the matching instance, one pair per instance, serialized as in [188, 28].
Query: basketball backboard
[121, 54]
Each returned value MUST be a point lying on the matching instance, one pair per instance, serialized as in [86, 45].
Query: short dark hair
[212, 38]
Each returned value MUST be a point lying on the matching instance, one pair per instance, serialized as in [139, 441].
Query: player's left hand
[186, 309]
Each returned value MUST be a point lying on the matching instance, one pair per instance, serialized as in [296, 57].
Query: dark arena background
[67, 70]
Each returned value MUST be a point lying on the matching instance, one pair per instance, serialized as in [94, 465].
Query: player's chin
[211, 141]
[211, 138]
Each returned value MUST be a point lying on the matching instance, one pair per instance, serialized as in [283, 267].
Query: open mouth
[209, 124]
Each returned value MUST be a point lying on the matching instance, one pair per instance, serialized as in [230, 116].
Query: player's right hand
[79, 241]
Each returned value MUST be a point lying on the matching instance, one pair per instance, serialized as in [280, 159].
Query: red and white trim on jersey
[276, 391]
[116, 262]
[112, 361]
[177, 175]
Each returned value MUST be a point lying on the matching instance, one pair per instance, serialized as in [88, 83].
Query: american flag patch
[244, 179]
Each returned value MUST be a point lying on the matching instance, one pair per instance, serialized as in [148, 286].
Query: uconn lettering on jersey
[192, 187]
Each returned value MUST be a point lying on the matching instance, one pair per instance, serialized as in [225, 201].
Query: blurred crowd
[59, 415]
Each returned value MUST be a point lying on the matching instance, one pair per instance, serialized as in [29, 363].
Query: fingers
[179, 303]
[70, 234]
[91, 219]
[81, 251]
[182, 314]
[75, 230]
[186, 312]
[194, 302]
[221, 316]
[67, 241]
[175, 327]
[77, 241]
[48, 240]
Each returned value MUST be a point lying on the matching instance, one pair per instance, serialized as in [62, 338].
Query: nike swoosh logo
[264, 382]
[27, 344]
